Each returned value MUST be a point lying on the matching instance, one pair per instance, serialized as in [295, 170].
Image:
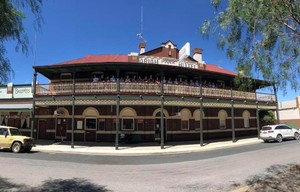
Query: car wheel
[266, 141]
[16, 147]
[279, 138]
[297, 136]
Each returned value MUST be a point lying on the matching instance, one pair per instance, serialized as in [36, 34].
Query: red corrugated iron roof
[97, 59]
[217, 69]
[122, 58]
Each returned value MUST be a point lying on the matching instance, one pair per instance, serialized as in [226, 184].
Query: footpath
[124, 149]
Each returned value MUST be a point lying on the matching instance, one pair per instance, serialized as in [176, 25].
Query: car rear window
[266, 128]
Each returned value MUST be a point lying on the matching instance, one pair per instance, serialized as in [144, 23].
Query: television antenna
[140, 35]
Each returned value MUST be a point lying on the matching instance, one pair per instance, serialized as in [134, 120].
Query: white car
[278, 133]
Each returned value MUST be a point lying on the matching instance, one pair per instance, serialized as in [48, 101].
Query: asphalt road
[219, 170]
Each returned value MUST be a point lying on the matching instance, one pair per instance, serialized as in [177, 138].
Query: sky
[73, 29]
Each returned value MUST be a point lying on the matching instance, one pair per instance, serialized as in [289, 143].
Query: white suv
[278, 133]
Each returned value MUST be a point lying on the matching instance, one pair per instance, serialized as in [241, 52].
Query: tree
[266, 116]
[262, 36]
[11, 28]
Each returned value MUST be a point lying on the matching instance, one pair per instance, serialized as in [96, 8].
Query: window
[3, 121]
[184, 124]
[101, 124]
[114, 125]
[222, 119]
[24, 125]
[185, 116]
[3, 131]
[222, 124]
[127, 124]
[140, 124]
[90, 123]
[197, 125]
[246, 117]
[197, 118]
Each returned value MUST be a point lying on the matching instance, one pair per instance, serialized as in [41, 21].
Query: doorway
[61, 129]
[42, 129]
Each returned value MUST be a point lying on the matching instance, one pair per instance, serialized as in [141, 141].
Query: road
[219, 170]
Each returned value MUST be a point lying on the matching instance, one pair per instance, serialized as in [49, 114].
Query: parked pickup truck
[11, 138]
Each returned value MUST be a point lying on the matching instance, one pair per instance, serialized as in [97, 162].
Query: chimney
[142, 47]
[197, 55]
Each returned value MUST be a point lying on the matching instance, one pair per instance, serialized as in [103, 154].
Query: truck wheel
[16, 147]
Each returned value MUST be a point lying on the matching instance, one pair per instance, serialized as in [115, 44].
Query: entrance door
[90, 135]
[42, 134]
[61, 129]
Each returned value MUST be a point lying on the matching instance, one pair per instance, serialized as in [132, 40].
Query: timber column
[162, 129]
[118, 111]
[201, 112]
[33, 104]
[73, 110]
[232, 116]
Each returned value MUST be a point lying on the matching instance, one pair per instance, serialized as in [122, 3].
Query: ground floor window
[114, 125]
[222, 119]
[246, 117]
[184, 124]
[222, 123]
[127, 124]
[101, 124]
[197, 125]
[90, 123]
[140, 124]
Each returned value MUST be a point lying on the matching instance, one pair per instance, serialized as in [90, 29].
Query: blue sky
[74, 29]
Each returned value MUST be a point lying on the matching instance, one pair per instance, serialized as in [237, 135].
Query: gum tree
[12, 29]
[262, 36]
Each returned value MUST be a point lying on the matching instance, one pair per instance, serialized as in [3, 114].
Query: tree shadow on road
[6, 185]
[277, 178]
[54, 185]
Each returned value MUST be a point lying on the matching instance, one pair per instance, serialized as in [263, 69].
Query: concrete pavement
[93, 148]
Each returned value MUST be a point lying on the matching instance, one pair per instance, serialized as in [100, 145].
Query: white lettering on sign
[168, 61]
[22, 90]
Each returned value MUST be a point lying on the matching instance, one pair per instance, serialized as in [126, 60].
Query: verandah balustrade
[147, 88]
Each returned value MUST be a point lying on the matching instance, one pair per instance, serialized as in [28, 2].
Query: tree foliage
[262, 36]
[266, 116]
[12, 29]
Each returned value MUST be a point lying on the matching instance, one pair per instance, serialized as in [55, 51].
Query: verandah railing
[147, 88]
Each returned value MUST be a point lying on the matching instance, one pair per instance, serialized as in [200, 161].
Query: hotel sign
[23, 92]
[168, 61]
[185, 51]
